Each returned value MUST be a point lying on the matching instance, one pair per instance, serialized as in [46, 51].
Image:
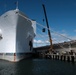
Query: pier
[69, 58]
[42, 52]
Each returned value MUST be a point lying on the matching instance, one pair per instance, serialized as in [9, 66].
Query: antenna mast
[17, 5]
[49, 34]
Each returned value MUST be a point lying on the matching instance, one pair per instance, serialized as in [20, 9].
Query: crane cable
[45, 27]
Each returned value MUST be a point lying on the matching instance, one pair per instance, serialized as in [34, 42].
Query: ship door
[31, 45]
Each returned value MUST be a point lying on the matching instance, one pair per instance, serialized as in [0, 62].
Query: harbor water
[37, 67]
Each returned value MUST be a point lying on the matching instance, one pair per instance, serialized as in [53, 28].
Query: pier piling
[72, 58]
[69, 58]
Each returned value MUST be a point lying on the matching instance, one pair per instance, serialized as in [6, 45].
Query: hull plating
[16, 32]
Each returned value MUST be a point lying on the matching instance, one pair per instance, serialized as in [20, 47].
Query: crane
[49, 33]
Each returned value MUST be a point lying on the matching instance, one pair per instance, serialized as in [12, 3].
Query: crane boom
[49, 34]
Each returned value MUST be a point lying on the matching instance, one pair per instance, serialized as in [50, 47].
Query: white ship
[16, 35]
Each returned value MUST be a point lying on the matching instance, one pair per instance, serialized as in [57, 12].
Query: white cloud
[34, 41]
[57, 37]
[47, 41]
[38, 41]
[41, 41]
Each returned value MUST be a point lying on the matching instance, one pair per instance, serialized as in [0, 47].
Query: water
[37, 67]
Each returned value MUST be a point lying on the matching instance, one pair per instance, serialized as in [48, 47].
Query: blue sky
[61, 16]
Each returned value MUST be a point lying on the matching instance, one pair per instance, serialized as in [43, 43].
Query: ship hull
[16, 32]
[15, 57]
